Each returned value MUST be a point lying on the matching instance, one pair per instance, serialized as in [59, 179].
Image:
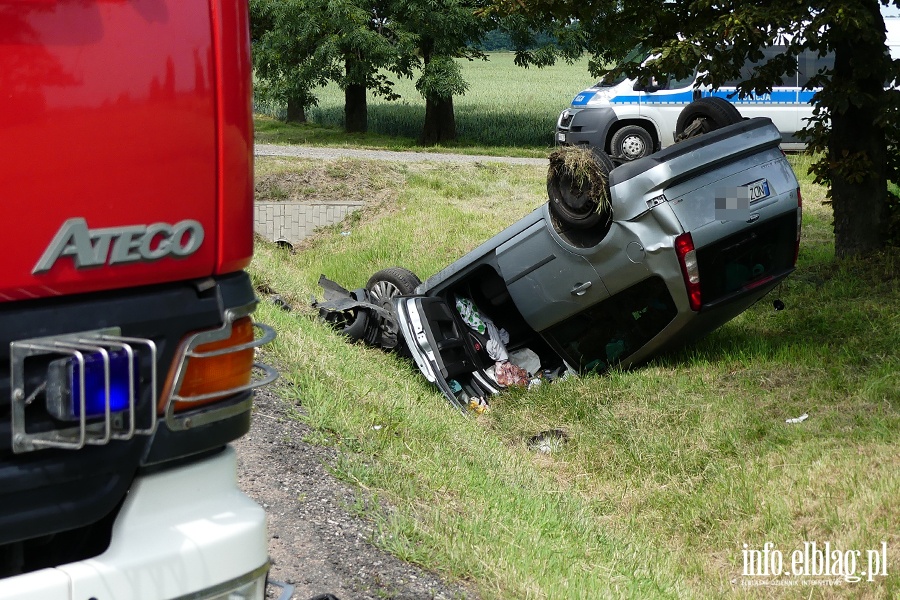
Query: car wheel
[705, 115]
[391, 283]
[353, 323]
[631, 142]
[578, 187]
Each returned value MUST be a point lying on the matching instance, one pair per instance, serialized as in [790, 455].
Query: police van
[630, 119]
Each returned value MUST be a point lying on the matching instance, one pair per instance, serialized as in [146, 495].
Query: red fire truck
[126, 340]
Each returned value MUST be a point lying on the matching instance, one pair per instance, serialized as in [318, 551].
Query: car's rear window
[610, 331]
[747, 258]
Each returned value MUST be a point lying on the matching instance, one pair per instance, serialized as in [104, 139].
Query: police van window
[677, 84]
[810, 64]
[747, 70]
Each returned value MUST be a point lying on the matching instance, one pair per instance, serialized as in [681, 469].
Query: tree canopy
[856, 123]
[299, 45]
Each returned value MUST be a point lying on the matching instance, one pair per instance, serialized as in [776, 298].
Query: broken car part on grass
[670, 247]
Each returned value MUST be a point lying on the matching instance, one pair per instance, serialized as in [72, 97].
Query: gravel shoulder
[315, 542]
[335, 153]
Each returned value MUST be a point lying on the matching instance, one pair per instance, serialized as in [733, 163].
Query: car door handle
[581, 289]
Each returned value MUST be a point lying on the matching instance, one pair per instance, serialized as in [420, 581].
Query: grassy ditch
[668, 470]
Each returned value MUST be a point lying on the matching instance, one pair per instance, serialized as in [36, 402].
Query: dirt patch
[338, 180]
[316, 542]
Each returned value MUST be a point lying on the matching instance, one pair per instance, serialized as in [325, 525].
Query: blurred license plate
[757, 190]
[561, 138]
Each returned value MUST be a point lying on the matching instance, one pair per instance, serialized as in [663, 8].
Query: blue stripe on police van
[774, 97]
[582, 98]
[625, 100]
[663, 98]
[730, 94]
[677, 98]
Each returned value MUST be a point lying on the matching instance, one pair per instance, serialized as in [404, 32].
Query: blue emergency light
[64, 399]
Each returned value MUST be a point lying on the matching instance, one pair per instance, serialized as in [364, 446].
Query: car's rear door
[547, 282]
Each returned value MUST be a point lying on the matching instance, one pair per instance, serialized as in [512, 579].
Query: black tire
[391, 283]
[705, 115]
[357, 329]
[631, 143]
[353, 323]
[581, 205]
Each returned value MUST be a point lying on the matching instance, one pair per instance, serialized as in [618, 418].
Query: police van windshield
[636, 56]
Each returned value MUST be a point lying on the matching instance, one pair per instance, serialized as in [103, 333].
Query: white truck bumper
[183, 533]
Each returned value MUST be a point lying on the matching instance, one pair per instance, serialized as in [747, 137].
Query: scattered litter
[377, 427]
[478, 405]
[799, 419]
[548, 441]
[509, 374]
[554, 374]
[778, 305]
[345, 233]
[527, 359]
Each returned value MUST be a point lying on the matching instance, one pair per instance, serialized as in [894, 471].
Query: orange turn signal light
[212, 368]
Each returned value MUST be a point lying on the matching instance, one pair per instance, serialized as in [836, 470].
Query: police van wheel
[631, 142]
[578, 187]
[705, 115]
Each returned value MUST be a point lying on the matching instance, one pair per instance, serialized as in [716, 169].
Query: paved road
[328, 153]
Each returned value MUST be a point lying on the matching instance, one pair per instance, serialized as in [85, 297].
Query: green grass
[668, 470]
[506, 106]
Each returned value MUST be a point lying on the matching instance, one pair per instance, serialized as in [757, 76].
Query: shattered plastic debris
[799, 419]
[280, 303]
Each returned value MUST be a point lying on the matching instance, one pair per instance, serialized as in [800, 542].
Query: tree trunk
[440, 123]
[858, 191]
[356, 116]
[296, 112]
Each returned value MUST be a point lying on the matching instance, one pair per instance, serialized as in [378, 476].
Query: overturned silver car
[621, 262]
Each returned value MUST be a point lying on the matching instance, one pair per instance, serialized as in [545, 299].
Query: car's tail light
[213, 365]
[687, 258]
[799, 222]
